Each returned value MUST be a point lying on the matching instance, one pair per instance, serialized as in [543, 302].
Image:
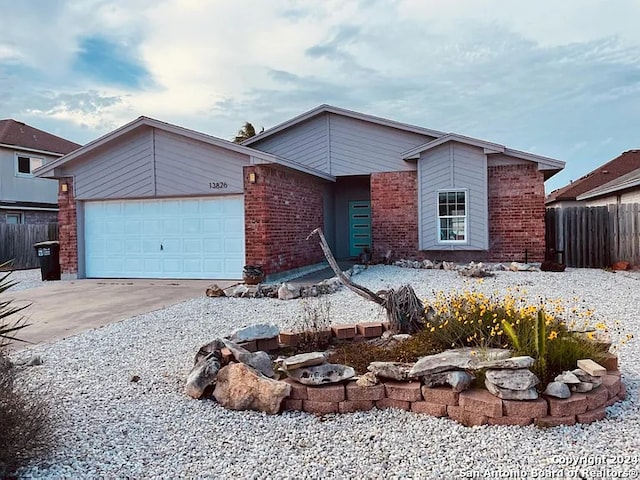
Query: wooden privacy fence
[595, 237]
[16, 243]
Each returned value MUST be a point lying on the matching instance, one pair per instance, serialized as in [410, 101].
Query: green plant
[9, 322]
[544, 331]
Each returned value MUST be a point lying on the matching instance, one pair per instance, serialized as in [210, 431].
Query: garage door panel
[152, 265]
[176, 238]
[193, 265]
[133, 208]
[170, 227]
[151, 246]
[132, 246]
[133, 265]
[232, 225]
[151, 227]
[213, 264]
[191, 207]
[212, 226]
[171, 208]
[114, 227]
[191, 226]
[192, 246]
[231, 245]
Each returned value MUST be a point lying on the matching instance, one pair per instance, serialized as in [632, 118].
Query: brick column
[67, 227]
[281, 208]
[516, 213]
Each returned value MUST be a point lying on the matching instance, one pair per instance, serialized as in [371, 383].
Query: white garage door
[169, 238]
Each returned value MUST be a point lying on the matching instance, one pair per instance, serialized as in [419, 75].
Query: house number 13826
[218, 185]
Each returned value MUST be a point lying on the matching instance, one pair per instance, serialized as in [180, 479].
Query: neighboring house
[155, 200]
[624, 189]
[617, 181]
[25, 198]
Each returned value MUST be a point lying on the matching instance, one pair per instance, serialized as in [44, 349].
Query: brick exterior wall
[281, 209]
[516, 213]
[394, 214]
[516, 216]
[67, 228]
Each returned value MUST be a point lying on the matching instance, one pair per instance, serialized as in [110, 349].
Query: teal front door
[359, 227]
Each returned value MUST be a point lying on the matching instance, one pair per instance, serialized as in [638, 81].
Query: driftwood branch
[405, 311]
[358, 289]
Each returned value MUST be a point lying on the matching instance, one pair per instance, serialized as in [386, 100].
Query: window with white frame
[25, 164]
[452, 216]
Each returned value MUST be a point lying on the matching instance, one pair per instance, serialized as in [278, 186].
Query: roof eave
[32, 150]
[488, 147]
[344, 112]
[46, 169]
[598, 192]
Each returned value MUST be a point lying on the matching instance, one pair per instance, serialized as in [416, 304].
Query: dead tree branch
[405, 311]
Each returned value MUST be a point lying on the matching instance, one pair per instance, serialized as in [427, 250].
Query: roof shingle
[20, 134]
[625, 163]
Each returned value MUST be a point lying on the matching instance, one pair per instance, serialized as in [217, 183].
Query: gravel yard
[113, 428]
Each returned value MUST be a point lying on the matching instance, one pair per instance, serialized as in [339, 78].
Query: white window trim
[466, 217]
[30, 157]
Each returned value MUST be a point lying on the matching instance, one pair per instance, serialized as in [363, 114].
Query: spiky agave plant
[10, 323]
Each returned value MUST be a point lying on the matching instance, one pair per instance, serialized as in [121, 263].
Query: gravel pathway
[117, 429]
[26, 279]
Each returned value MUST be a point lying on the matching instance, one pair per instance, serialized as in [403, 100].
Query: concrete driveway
[65, 308]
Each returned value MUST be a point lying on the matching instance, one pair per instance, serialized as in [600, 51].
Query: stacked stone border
[471, 407]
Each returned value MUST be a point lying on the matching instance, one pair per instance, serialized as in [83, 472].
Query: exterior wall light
[252, 177]
[64, 187]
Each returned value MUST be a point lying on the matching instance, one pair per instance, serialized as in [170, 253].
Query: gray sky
[558, 78]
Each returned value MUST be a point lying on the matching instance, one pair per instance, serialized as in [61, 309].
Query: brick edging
[470, 408]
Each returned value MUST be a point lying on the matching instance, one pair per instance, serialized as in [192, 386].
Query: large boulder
[507, 394]
[322, 374]
[261, 331]
[508, 363]
[205, 350]
[261, 361]
[288, 292]
[512, 379]
[456, 359]
[240, 387]
[557, 390]
[458, 380]
[203, 375]
[304, 360]
[394, 370]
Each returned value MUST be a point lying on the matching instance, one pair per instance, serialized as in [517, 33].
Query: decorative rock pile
[237, 371]
[472, 269]
[284, 291]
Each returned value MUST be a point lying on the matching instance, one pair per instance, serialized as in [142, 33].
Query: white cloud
[546, 75]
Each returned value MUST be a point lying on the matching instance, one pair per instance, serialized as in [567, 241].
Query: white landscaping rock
[113, 428]
[262, 331]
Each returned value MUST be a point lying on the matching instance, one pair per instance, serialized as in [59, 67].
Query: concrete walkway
[64, 308]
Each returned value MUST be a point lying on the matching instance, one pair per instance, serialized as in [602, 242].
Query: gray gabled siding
[305, 143]
[453, 166]
[344, 146]
[153, 163]
[186, 167]
[361, 148]
[123, 171]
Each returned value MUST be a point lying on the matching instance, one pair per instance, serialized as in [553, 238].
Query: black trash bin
[49, 256]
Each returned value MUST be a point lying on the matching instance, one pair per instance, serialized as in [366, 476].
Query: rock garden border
[239, 384]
